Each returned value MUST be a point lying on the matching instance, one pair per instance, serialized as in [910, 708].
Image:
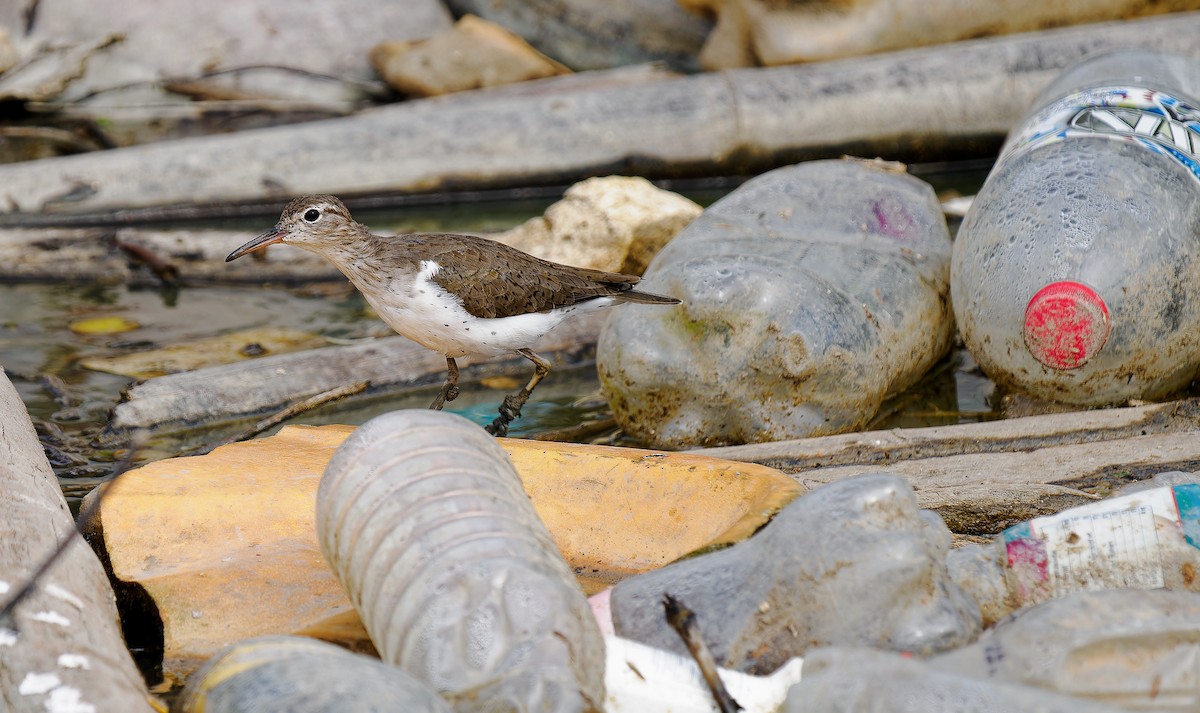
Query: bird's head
[317, 223]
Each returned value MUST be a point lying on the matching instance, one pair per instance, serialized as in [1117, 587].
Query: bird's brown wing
[495, 280]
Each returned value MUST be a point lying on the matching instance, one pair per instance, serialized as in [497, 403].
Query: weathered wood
[911, 104]
[67, 645]
[92, 254]
[612, 223]
[983, 477]
[884, 448]
[232, 391]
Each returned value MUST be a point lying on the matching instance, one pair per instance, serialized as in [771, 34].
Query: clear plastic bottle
[301, 675]
[1123, 647]
[1148, 539]
[424, 520]
[853, 680]
[809, 294]
[854, 562]
[1075, 272]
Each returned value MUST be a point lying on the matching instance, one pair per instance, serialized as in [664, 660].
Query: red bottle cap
[1066, 323]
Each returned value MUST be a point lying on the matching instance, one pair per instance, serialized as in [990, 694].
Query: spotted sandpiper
[458, 295]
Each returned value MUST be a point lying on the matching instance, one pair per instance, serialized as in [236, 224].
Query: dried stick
[683, 621]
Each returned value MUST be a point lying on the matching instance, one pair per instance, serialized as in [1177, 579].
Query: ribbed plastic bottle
[301, 675]
[424, 520]
[1075, 275]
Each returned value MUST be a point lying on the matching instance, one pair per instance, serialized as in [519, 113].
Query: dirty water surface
[48, 332]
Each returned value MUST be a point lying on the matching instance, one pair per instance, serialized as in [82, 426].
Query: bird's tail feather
[645, 298]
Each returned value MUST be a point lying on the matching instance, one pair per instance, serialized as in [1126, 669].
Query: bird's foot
[510, 411]
[449, 392]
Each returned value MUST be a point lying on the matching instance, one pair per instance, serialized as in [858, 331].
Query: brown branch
[163, 269]
[683, 621]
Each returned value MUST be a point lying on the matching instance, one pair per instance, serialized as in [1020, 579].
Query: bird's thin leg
[510, 410]
[449, 390]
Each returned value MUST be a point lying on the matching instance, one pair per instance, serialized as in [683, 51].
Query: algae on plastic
[809, 294]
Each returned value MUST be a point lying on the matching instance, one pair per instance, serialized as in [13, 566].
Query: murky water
[71, 404]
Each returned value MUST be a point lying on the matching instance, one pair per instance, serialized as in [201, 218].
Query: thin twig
[163, 269]
[292, 411]
[48, 134]
[85, 516]
[683, 621]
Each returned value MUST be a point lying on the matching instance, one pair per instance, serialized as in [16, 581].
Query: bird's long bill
[270, 237]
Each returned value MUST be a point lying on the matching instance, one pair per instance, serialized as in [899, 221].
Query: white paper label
[1106, 545]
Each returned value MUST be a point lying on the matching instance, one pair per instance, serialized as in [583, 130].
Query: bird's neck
[364, 258]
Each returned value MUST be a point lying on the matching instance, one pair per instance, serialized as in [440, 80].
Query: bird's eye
[311, 215]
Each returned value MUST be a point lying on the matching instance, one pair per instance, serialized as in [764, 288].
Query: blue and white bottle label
[1153, 119]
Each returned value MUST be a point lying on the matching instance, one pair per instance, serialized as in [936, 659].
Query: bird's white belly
[425, 313]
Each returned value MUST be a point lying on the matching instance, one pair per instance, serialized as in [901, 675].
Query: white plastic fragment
[638, 677]
[4, 587]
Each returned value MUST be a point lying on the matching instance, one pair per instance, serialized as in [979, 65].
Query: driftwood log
[236, 391]
[198, 256]
[983, 477]
[63, 648]
[926, 103]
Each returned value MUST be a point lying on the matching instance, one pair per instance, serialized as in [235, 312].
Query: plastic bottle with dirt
[809, 294]
[1075, 271]
[1148, 539]
[424, 520]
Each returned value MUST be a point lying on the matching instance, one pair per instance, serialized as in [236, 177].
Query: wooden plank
[883, 448]
[92, 254]
[914, 104]
[233, 391]
[983, 477]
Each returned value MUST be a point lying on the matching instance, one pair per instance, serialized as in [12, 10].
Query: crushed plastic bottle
[847, 680]
[1145, 540]
[1122, 646]
[424, 520]
[852, 563]
[1076, 268]
[809, 294]
[300, 675]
